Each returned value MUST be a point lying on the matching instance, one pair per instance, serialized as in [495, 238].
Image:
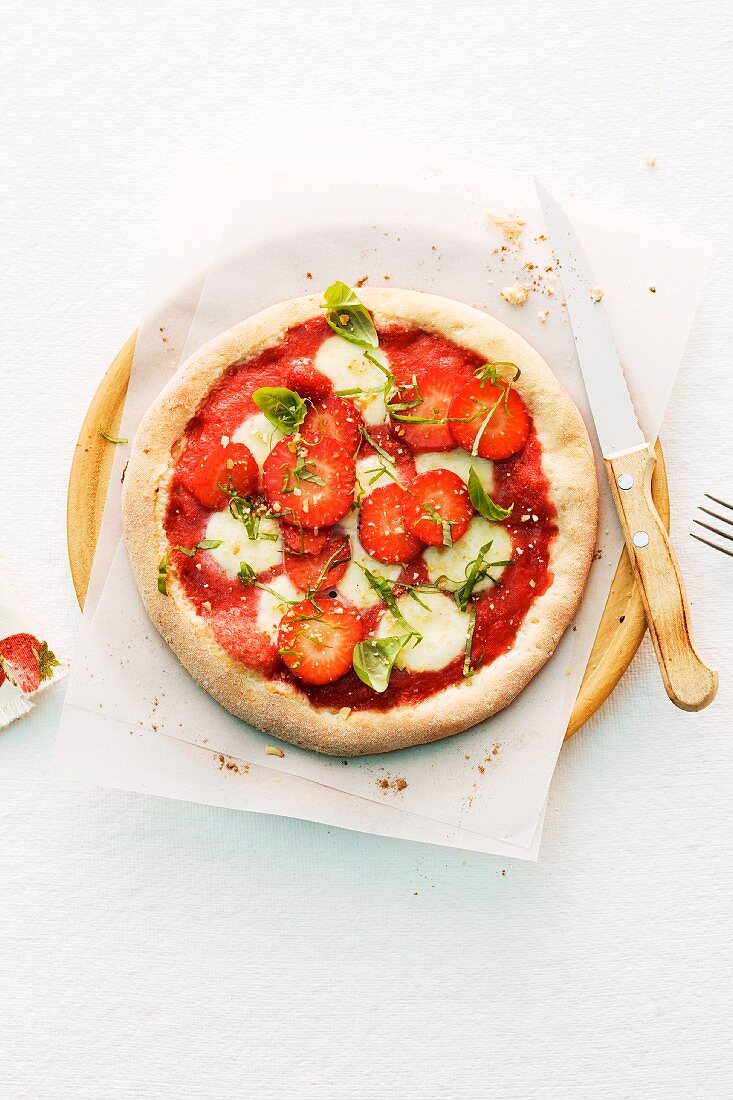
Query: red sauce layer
[231, 609]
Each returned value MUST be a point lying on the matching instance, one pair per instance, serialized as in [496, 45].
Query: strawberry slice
[31, 662]
[494, 414]
[430, 401]
[309, 481]
[382, 529]
[233, 465]
[314, 572]
[438, 508]
[302, 541]
[336, 418]
[317, 637]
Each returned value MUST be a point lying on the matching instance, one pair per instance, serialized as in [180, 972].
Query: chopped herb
[250, 512]
[399, 404]
[489, 373]
[446, 524]
[467, 669]
[377, 446]
[477, 570]
[285, 409]
[349, 317]
[383, 588]
[246, 574]
[112, 438]
[483, 503]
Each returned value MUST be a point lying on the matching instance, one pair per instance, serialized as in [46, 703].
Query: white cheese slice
[260, 553]
[348, 368]
[370, 474]
[453, 561]
[271, 609]
[443, 627]
[258, 434]
[353, 585]
[460, 462]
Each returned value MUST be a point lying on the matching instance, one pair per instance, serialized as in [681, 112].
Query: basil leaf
[285, 409]
[468, 670]
[246, 574]
[163, 573]
[483, 503]
[384, 590]
[208, 544]
[374, 658]
[112, 438]
[348, 317]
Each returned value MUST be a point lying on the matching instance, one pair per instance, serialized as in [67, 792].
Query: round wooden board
[619, 635]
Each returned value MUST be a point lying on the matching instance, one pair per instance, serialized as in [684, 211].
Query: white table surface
[153, 949]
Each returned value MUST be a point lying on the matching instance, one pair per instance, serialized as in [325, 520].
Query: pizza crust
[278, 707]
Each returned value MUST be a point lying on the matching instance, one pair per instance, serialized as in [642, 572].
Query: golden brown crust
[275, 706]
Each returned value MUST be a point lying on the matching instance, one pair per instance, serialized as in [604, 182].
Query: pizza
[362, 522]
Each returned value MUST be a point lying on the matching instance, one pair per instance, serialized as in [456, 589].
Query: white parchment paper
[491, 781]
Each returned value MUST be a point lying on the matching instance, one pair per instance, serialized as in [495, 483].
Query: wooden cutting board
[619, 635]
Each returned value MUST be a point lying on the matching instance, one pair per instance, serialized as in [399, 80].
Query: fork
[715, 530]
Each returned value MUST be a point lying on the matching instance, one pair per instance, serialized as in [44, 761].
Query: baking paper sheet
[279, 229]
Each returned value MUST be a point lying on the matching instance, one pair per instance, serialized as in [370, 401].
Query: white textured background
[152, 949]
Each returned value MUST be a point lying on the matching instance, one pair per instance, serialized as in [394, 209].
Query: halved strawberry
[430, 401]
[313, 572]
[492, 411]
[302, 541]
[31, 661]
[382, 529]
[317, 637]
[438, 508]
[309, 481]
[233, 465]
[333, 417]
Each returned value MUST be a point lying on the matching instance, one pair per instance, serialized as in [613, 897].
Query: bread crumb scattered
[515, 295]
[273, 750]
[512, 226]
[653, 289]
[596, 293]
[543, 315]
[650, 161]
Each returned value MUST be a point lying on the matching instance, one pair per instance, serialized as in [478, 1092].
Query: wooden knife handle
[689, 683]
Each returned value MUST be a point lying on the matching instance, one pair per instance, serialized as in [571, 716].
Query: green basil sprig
[348, 316]
[483, 503]
[285, 409]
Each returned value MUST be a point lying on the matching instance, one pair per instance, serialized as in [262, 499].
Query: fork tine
[709, 512]
[722, 534]
[719, 501]
[713, 544]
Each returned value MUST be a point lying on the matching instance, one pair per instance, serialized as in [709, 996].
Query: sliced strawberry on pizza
[317, 638]
[437, 508]
[309, 481]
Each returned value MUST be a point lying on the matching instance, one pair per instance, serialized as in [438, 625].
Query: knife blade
[629, 460]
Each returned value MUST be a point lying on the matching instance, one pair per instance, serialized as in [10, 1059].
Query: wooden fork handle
[689, 683]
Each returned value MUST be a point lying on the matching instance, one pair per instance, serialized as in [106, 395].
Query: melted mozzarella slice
[354, 585]
[260, 553]
[443, 627]
[460, 462]
[454, 561]
[370, 474]
[348, 368]
[274, 604]
[258, 434]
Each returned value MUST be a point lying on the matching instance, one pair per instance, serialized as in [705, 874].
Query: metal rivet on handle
[625, 481]
[640, 538]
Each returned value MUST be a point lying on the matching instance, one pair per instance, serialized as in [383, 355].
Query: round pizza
[362, 522]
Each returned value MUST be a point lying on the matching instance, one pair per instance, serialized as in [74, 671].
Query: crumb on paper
[512, 226]
[543, 315]
[650, 161]
[397, 784]
[309, 274]
[273, 750]
[596, 293]
[515, 295]
[360, 282]
[653, 289]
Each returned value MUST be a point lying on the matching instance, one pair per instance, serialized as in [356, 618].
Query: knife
[629, 459]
